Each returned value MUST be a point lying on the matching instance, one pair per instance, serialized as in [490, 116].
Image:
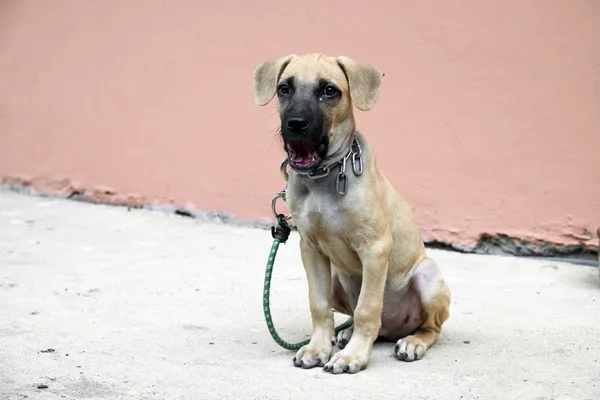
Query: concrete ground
[98, 302]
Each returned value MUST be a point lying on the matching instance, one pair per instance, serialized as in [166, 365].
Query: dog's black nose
[297, 124]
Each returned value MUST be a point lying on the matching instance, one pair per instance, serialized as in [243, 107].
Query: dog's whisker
[276, 139]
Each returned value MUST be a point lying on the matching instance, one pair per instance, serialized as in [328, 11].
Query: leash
[280, 233]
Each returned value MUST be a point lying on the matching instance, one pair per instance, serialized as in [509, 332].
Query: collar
[354, 156]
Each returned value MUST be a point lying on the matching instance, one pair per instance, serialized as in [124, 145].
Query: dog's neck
[338, 149]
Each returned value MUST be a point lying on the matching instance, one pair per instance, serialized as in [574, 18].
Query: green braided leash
[280, 234]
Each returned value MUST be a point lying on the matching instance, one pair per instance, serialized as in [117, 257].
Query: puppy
[360, 244]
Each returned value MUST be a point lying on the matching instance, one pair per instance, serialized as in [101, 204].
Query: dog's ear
[266, 77]
[364, 82]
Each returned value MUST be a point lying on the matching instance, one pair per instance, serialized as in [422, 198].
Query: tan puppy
[360, 244]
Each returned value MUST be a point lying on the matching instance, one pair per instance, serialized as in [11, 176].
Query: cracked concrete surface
[98, 302]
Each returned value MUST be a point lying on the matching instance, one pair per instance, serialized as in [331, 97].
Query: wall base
[499, 244]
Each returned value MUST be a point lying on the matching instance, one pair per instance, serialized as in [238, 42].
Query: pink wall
[488, 122]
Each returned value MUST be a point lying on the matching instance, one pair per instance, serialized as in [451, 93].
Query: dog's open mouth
[302, 154]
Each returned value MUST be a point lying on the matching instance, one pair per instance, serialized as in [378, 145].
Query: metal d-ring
[283, 169]
[280, 195]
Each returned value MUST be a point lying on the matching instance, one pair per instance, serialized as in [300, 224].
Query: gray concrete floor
[145, 305]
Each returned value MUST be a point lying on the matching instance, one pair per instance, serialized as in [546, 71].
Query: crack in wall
[502, 245]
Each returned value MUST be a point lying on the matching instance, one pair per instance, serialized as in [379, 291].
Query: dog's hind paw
[343, 337]
[410, 348]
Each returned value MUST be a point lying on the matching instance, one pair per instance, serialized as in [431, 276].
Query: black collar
[354, 156]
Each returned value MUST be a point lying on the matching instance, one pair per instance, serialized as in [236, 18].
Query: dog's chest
[317, 214]
[323, 224]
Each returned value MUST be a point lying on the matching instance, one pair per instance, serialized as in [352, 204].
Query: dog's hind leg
[434, 294]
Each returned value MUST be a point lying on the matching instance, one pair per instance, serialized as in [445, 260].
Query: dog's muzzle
[304, 142]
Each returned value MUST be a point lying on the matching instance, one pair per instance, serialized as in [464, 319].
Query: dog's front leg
[367, 315]
[318, 273]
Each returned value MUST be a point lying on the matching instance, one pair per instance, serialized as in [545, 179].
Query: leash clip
[280, 195]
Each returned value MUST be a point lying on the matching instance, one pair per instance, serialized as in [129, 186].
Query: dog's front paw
[346, 361]
[410, 348]
[311, 356]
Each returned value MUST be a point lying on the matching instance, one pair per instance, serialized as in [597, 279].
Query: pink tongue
[304, 158]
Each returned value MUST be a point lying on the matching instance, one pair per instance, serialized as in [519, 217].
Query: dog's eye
[330, 91]
[283, 89]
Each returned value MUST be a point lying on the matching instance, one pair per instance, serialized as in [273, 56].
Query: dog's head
[315, 95]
